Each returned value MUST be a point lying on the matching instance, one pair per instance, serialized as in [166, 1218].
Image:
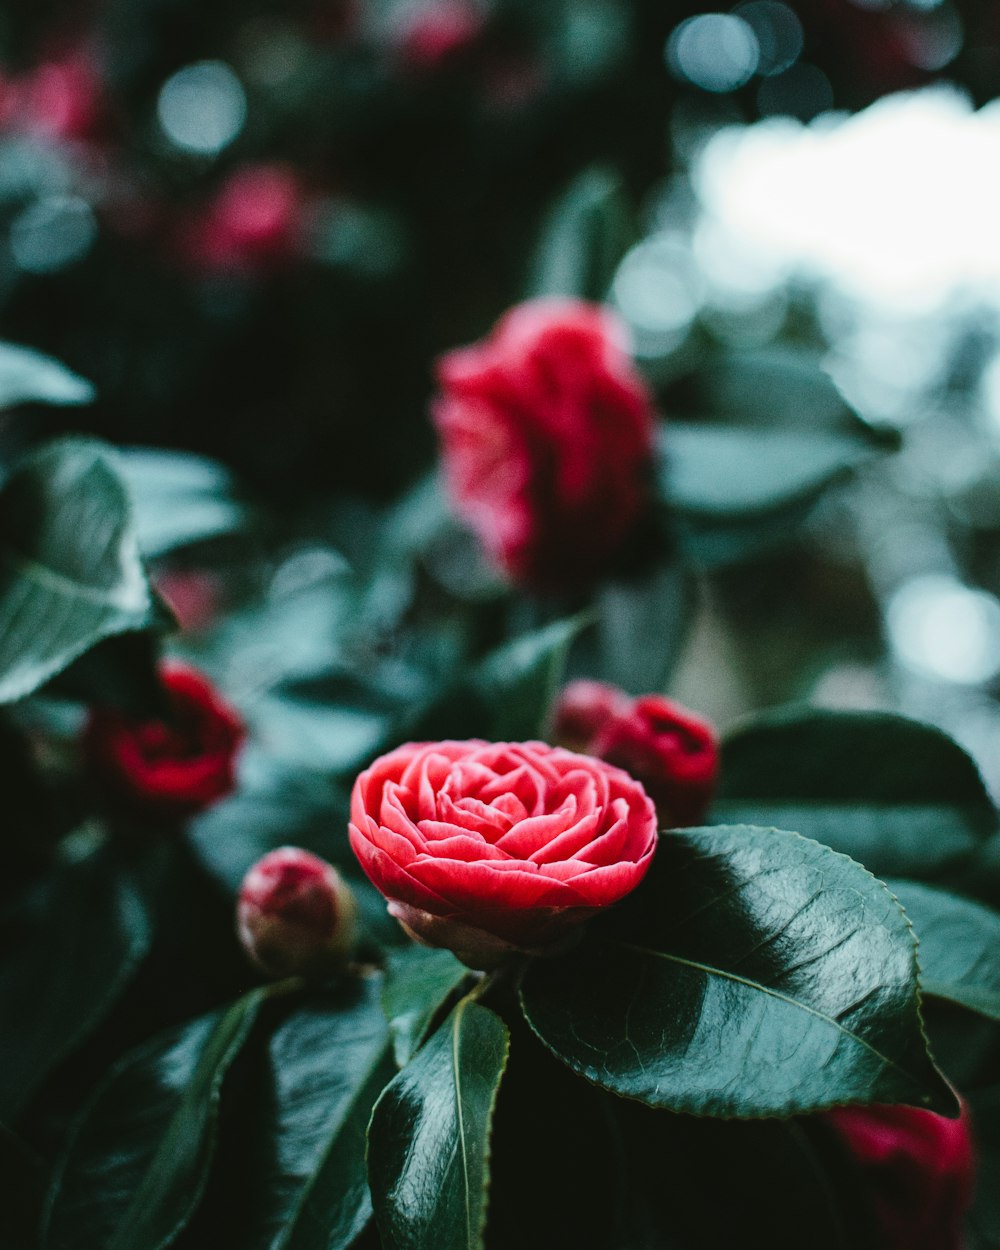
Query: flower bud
[295, 914]
[672, 751]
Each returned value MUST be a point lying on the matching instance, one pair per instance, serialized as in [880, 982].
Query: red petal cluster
[487, 847]
[672, 751]
[175, 768]
[547, 434]
[919, 1169]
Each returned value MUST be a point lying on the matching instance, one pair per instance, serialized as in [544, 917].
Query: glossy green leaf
[959, 946]
[753, 973]
[295, 1149]
[27, 376]
[898, 796]
[726, 473]
[70, 572]
[138, 1162]
[71, 948]
[418, 980]
[428, 1142]
[179, 499]
[584, 237]
[518, 681]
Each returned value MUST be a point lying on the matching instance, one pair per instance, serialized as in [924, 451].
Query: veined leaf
[753, 973]
[70, 572]
[428, 1142]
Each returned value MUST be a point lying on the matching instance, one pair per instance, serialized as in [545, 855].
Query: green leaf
[725, 473]
[428, 1142]
[753, 973]
[898, 796]
[70, 572]
[71, 949]
[959, 946]
[299, 1163]
[138, 1162]
[418, 981]
[641, 625]
[179, 499]
[26, 376]
[584, 237]
[518, 681]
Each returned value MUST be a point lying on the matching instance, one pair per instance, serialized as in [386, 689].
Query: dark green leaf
[641, 625]
[898, 796]
[518, 681]
[70, 572]
[584, 237]
[753, 973]
[711, 544]
[428, 1143]
[418, 980]
[959, 946]
[300, 1167]
[137, 1165]
[70, 950]
[23, 1190]
[179, 499]
[26, 376]
[725, 473]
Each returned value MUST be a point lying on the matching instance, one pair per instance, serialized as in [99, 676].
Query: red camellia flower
[492, 847]
[295, 914]
[673, 752]
[919, 1168]
[547, 433]
[176, 767]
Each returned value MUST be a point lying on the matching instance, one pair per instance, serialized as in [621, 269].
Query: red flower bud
[672, 751]
[547, 434]
[175, 768]
[295, 914]
[919, 1170]
[436, 34]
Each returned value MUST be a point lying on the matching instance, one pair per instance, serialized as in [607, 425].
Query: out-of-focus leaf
[137, 1166]
[898, 796]
[27, 376]
[518, 681]
[70, 572]
[584, 237]
[71, 948]
[179, 499]
[725, 473]
[753, 973]
[959, 946]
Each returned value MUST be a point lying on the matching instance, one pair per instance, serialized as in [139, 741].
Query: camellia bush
[362, 889]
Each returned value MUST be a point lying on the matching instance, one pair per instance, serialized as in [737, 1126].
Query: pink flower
[253, 221]
[492, 847]
[919, 1170]
[672, 751]
[295, 915]
[547, 434]
[434, 34]
[174, 768]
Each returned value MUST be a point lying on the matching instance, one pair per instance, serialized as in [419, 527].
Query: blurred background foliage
[252, 230]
